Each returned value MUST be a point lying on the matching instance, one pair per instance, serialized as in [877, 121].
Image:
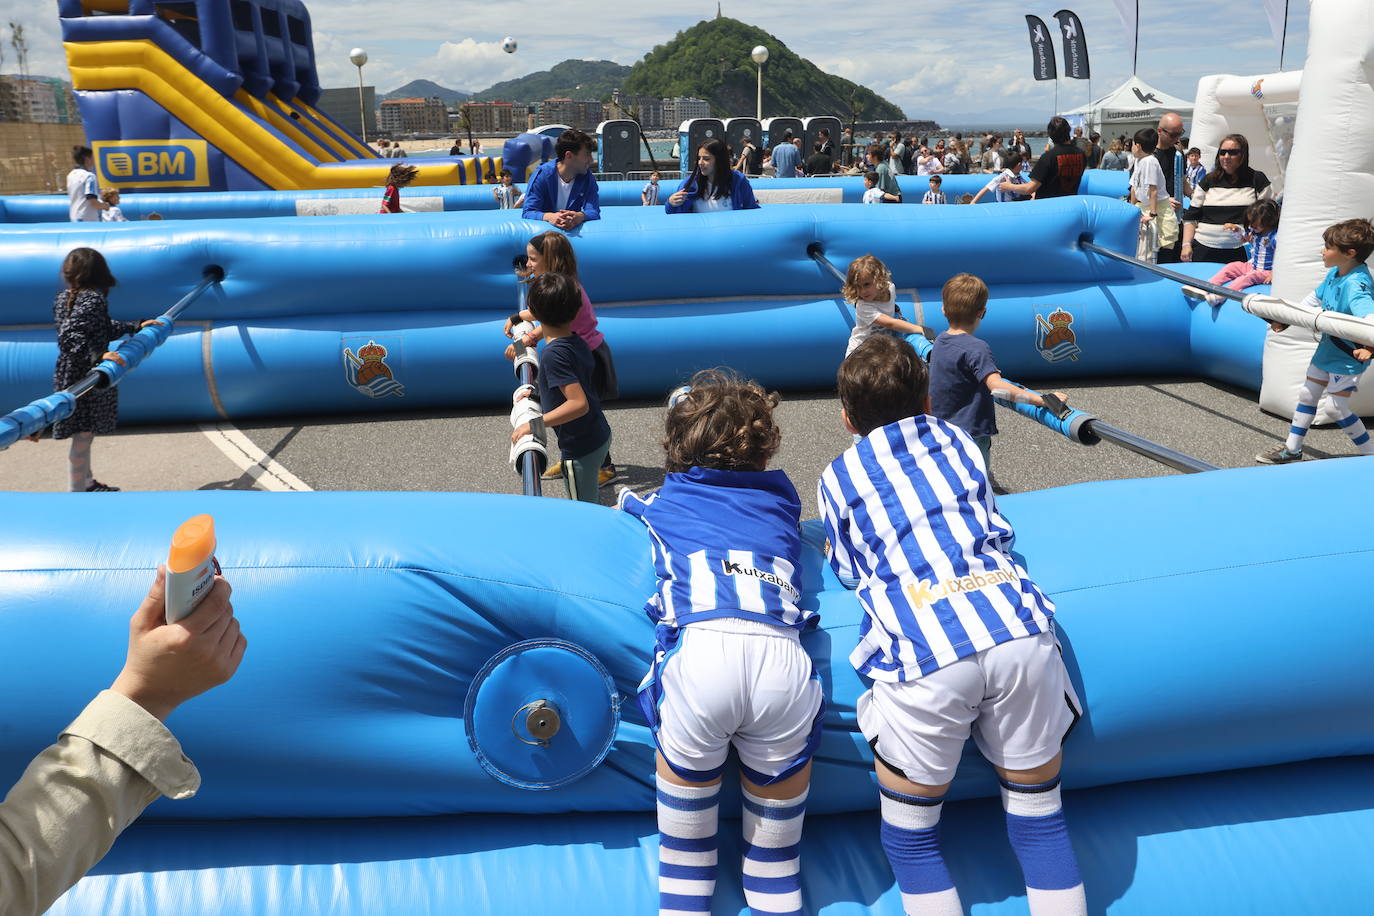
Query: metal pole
[1152, 450]
[758, 105]
[1165, 272]
[362, 112]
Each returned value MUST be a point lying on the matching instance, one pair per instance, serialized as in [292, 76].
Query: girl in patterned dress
[84, 332]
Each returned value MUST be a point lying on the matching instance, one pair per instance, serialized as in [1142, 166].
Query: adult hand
[114, 357]
[144, 324]
[510, 352]
[506, 329]
[575, 218]
[1363, 354]
[168, 664]
[1277, 327]
[677, 197]
[519, 433]
[1186, 252]
[1176, 204]
[552, 218]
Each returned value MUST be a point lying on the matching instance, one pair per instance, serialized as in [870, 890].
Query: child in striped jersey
[956, 637]
[728, 667]
[1260, 232]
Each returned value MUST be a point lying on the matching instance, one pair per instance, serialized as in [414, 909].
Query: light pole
[759, 54]
[359, 57]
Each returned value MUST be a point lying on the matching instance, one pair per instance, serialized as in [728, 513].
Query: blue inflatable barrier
[300, 295]
[53, 208]
[338, 754]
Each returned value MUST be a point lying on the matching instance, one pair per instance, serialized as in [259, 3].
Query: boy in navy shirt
[963, 374]
[566, 392]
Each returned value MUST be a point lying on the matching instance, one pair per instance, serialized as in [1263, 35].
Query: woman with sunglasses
[1222, 197]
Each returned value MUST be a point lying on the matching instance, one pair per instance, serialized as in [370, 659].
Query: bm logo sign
[153, 163]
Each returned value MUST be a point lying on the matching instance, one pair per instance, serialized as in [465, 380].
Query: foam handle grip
[34, 417]
[1073, 426]
[136, 349]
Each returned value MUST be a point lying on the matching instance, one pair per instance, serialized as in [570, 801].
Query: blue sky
[933, 59]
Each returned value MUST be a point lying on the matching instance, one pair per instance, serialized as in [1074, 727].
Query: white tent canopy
[1132, 104]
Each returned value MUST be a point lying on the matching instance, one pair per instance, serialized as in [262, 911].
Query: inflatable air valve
[541, 714]
[191, 566]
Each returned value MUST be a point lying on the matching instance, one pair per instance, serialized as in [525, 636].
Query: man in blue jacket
[563, 191]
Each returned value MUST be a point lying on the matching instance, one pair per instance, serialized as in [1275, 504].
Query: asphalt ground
[469, 449]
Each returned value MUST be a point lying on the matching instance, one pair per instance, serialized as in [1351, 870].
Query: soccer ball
[509, 45]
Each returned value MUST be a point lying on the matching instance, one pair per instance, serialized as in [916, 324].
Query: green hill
[573, 79]
[711, 61]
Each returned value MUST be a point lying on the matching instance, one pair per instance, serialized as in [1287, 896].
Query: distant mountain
[573, 79]
[424, 89]
[711, 61]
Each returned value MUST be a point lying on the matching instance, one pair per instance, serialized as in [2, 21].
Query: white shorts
[1335, 383]
[736, 682]
[1015, 698]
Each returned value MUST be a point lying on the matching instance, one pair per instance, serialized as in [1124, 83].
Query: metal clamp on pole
[42, 413]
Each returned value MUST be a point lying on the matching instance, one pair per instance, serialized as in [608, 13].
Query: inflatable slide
[208, 95]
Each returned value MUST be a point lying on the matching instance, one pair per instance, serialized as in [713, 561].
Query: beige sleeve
[64, 813]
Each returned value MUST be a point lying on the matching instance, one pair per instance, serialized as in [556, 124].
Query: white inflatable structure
[1312, 133]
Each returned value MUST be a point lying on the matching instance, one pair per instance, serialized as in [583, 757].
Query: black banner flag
[1042, 50]
[1075, 45]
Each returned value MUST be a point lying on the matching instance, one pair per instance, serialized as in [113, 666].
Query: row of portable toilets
[620, 147]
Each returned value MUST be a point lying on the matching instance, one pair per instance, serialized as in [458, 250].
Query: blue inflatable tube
[369, 616]
[53, 208]
[297, 294]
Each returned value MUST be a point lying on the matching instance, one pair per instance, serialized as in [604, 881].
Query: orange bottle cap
[192, 545]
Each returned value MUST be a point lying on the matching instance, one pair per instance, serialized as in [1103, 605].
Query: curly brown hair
[861, 270]
[725, 422]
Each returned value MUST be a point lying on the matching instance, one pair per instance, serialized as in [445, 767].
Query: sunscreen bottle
[191, 566]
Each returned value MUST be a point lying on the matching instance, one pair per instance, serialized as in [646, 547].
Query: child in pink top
[551, 252]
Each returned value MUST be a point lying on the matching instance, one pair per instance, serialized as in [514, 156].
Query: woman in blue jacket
[713, 185]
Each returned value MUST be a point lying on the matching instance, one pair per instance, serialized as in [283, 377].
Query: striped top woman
[1222, 197]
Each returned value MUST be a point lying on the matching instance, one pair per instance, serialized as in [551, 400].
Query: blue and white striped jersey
[912, 521]
[725, 544]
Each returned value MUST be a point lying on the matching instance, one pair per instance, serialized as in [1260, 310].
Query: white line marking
[264, 470]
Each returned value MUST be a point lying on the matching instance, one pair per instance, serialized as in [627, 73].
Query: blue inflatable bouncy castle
[213, 95]
[369, 755]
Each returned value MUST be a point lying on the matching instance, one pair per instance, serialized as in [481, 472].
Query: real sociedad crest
[368, 372]
[1054, 336]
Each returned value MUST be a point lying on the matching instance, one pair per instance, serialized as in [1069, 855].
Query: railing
[42, 413]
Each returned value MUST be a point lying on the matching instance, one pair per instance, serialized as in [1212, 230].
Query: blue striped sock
[687, 821]
[1308, 397]
[1354, 427]
[772, 853]
[911, 839]
[1040, 838]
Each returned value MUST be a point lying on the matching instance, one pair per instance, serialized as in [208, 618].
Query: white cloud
[924, 57]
